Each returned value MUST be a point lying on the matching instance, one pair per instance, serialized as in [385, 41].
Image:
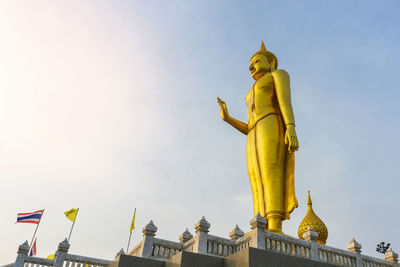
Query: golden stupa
[312, 220]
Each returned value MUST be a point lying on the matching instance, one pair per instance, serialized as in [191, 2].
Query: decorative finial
[263, 46]
[313, 221]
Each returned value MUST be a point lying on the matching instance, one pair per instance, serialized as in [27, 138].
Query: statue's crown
[271, 57]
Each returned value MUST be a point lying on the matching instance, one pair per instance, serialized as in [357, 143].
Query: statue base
[249, 257]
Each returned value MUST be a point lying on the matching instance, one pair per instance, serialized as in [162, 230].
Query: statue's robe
[270, 165]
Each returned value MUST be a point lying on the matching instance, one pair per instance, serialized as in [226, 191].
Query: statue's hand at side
[291, 138]
[224, 110]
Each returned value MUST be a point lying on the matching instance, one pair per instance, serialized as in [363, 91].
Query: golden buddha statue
[271, 139]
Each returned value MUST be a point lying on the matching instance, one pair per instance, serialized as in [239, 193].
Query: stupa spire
[312, 220]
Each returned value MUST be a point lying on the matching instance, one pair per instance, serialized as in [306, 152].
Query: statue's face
[259, 65]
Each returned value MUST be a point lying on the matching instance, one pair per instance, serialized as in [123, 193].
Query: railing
[35, 261]
[336, 256]
[62, 258]
[188, 246]
[83, 261]
[219, 246]
[373, 262]
[204, 243]
[287, 245]
[165, 249]
[243, 243]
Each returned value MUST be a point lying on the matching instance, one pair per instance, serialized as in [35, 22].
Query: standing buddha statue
[271, 139]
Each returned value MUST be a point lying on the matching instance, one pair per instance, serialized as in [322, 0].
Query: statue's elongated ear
[273, 64]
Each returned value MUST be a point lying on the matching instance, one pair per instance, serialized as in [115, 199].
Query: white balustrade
[243, 243]
[204, 243]
[165, 249]
[373, 262]
[336, 256]
[219, 246]
[287, 245]
[83, 261]
[36, 262]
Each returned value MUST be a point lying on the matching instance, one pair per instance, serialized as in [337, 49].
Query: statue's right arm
[239, 125]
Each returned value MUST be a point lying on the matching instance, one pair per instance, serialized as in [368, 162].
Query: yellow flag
[133, 221]
[71, 214]
[51, 257]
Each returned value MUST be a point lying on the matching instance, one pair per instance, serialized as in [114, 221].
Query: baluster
[160, 251]
[293, 250]
[155, 251]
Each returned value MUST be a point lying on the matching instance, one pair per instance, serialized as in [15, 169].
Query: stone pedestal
[249, 257]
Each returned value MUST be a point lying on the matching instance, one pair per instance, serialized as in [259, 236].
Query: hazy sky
[111, 105]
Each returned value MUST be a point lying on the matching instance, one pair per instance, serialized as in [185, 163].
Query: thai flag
[30, 217]
[33, 249]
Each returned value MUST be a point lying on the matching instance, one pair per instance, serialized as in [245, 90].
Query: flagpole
[130, 235]
[72, 227]
[32, 248]
[129, 240]
[37, 226]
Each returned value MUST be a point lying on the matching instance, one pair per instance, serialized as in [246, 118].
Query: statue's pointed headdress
[263, 46]
[271, 57]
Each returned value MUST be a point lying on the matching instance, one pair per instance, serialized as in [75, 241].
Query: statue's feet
[275, 226]
[276, 231]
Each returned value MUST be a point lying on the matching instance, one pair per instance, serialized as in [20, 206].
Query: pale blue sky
[111, 105]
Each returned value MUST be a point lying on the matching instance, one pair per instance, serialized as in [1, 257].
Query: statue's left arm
[282, 88]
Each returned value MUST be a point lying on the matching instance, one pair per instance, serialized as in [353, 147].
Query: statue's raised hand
[224, 109]
[291, 138]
